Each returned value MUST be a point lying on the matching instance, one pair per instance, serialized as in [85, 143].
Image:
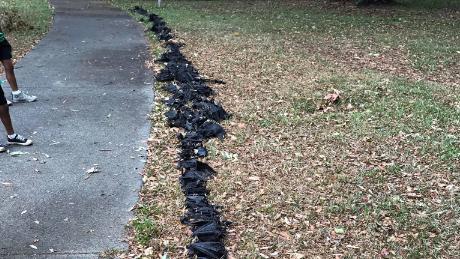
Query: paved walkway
[94, 96]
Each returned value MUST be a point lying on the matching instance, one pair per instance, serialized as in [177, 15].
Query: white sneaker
[2, 148]
[22, 97]
[19, 140]
[9, 102]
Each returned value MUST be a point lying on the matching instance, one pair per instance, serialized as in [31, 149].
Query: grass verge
[24, 22]
[156, 230]
[374, 173]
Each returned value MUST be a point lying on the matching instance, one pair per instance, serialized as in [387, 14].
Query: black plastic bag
[212, 250]
[194, 175]
[140, 10]
[211, 130]
[209, 232]
[211, 110]
[195, 188]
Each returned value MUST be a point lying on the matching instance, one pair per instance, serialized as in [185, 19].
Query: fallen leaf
[263, 255]
[339, 231]
[148, 251]
[18, 153]
[298, 256]
[93, 170]
[332, 97]
[384, 253]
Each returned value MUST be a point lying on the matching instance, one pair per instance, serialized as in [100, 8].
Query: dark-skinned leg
[13, 139]
[6, 119]
[10, 76]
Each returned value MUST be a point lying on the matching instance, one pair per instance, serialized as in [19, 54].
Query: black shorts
[5, 50]
[2, 97]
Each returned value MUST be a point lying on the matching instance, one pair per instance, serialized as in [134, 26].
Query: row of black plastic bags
[192, 108]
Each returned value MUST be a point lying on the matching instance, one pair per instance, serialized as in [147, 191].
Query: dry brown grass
[161, 199]
[374, 175]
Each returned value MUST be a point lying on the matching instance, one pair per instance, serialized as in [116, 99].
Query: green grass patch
[24, 22]
[431, 4]
[145, 230]
[34, 13]
[431, 41]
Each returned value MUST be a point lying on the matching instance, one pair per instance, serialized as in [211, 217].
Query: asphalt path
[95, 95]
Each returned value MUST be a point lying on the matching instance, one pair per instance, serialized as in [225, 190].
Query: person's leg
[5, 114]
[9, 72]
[13, 138]
[6, 119]
[6, 59]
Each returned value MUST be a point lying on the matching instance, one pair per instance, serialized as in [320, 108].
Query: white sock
[12, 136]
[16, 92]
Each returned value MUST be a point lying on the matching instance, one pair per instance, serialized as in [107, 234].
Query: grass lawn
[24, 22]
[373, 174]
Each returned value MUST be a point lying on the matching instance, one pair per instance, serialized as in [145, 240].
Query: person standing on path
[5, 57]
[13, 138]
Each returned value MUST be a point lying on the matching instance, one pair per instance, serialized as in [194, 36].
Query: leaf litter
[322, 182]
